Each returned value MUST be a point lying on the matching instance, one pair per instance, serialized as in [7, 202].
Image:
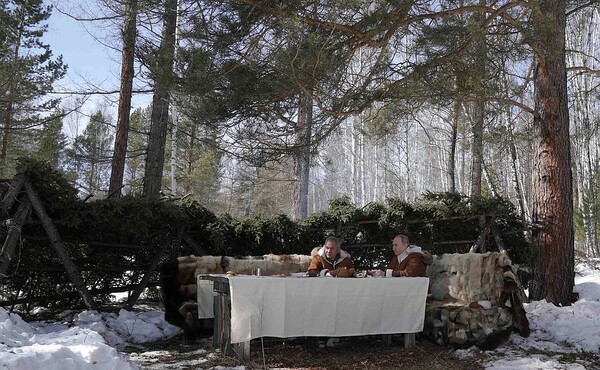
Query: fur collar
[340, 257]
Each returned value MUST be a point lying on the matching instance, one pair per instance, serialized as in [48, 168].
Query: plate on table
[298, 274]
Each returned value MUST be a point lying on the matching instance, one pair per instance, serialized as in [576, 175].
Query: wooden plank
[13, 237]
[54, 237]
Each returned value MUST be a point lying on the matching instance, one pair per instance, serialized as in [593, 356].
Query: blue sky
[88, 60]
[92, 66]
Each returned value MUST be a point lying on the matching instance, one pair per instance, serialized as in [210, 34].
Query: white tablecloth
[291, 307]
[205, 298]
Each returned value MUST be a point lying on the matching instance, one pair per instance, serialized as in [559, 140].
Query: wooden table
[248, 307]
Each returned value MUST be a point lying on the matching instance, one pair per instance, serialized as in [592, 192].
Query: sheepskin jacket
[320, 262]
[413, 263]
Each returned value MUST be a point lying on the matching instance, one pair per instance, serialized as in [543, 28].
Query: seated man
[408, 260]
[331, 259]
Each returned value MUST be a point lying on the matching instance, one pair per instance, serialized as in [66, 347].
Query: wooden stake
[151, 267]
[13, 236]
[14, 188]
[58, 245]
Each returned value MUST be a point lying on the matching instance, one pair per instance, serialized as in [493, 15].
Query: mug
[257, 271]
[388, 273]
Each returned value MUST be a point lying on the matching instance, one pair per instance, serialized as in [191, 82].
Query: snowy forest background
[266, 115]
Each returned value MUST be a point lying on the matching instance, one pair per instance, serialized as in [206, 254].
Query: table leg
[218, 323]
[387, 338]
[409, 340]
[241, 350]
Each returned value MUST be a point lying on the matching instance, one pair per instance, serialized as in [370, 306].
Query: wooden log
[193, 244]
[54, 237]
[470, 241]
[13, 236]
[37, 299]
[14, 188]
[480, 243]
[151, 268]
[92, 243]
[122, 269]
[497, 238]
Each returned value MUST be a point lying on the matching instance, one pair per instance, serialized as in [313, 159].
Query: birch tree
[584, 26]
[89, 155]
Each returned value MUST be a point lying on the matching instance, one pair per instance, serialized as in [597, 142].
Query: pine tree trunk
[160, 103]
[453, 140]
[129, 35]
[8, 115]
[302, 158]
[553, 233]
[478, 109]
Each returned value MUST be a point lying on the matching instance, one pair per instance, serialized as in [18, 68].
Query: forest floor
[366, 352]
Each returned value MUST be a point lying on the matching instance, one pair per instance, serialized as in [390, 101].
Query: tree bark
[479, 109]
[8, 114]
[553, 234]
[453, 140]
[121, 136]
[302, 157]
[160, 103]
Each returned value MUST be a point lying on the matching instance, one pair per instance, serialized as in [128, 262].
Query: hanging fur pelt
[511, 293]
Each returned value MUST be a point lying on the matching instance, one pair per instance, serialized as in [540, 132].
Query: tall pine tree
[27, 72]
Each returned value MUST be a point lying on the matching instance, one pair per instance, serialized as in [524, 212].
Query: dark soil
[367, 352]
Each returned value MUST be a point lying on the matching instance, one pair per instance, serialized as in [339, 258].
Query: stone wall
[461, 287]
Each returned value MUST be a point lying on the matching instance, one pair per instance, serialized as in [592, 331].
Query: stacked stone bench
[464, 307]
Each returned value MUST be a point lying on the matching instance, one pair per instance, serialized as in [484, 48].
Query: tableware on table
[361, 273]
[298, 274]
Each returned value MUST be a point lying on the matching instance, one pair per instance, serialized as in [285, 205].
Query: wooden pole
[151, 268]
[480, 243]
[58, 245]
[14, 188]
[497, 238]
[13, 235]
[193, 244]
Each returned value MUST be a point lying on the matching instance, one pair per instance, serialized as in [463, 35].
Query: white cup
[388, 273]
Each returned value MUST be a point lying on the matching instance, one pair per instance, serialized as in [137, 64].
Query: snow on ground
[558, 330]
[92, 340]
